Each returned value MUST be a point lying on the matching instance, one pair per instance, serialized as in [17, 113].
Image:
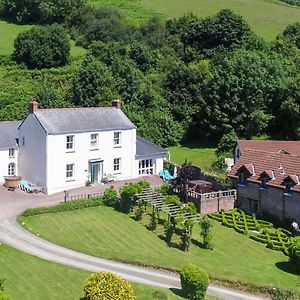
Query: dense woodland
[185, 78]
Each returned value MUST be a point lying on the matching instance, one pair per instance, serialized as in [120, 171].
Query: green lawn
[30, 278]
[201, 157]
[106, 233]
[267, 17]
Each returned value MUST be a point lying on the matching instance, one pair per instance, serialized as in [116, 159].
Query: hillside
[267, 17]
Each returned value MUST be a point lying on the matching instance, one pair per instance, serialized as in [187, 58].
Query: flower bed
[258, 230]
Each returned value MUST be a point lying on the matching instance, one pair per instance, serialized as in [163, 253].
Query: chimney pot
[33, 105]
[117, 103]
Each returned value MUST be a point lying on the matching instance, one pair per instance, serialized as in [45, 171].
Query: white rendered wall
[58, 157]
[5, 161]
[32, 156]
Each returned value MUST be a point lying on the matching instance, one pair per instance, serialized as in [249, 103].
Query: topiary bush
[194, 281]
[106, 285]
[294, 252]
[109, 197]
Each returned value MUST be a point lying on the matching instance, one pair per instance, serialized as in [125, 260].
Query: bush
[166, 189]
[65, 206]
[194, 281]
[153, 220]
[294, 252]
[106, 285]
[169, 231]
[172, 199]
[3, 296]
[189, 208]
[109, 197]
[42, 47]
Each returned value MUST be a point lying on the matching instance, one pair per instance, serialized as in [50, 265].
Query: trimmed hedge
[64, 206]
[194, 281]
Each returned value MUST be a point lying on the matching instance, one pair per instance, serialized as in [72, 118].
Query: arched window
[11, 169]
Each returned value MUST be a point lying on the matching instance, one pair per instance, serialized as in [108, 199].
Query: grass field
[106, 233]
[200, 156]
[31, 278]
[267, 17]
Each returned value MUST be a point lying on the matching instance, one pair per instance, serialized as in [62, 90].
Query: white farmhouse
[61, 149]
[8, 149]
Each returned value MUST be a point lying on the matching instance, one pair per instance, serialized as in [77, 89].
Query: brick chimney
[117, 103]
[33, 105]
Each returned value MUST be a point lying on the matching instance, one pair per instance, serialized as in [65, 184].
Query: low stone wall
[213, 202]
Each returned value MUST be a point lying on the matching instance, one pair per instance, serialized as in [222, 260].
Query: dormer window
[289, 182]
[264, 181]
[242, 178]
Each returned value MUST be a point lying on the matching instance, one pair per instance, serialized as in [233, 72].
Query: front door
[96, 171]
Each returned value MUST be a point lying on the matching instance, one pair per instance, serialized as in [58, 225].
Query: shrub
[153, 220]
[194, 281]
[2, 280]
[169, 231]
[106, 285]
[166, 189]
[3, 296]
[140, 210]
[42, 47]
[206, 232]
[109, 197]
[172, 199]
[186, 234]
[189, 208]
[294, 252]
[65, 206]
[127, 193]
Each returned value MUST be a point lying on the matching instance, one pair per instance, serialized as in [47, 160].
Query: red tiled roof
[277, 166]
[284, 147]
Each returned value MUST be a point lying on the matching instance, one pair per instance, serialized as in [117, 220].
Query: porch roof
[145, 148]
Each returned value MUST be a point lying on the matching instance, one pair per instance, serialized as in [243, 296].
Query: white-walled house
[61, 149]
[8, 149]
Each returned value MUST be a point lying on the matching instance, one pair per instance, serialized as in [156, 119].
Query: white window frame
[11, 169]
[70, 171]
[11, 153]
[70, 142]
[117, 165]
[146, 166]
[117, 139]
[94, 140]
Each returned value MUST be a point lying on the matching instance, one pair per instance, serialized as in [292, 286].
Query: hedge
[64, 206]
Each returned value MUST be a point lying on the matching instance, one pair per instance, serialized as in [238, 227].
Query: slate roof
[88, 119]
[8, 134]
[147, 148]
[278, 167]
[284, 147]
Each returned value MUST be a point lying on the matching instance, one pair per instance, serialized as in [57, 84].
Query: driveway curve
[12, 234]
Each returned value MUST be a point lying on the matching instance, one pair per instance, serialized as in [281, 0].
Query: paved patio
[12, 203]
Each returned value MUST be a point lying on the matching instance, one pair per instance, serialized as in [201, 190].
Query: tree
[48, 11]
[226, 144]
[292, 33]
[109, 197]
[106, 285]
[184, 174]
[226, 30]
[194, 281]
[242, 93]
[93, 85]
[42, 47]
[206, 232]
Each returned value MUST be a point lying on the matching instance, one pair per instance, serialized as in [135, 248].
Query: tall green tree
[93, 85]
